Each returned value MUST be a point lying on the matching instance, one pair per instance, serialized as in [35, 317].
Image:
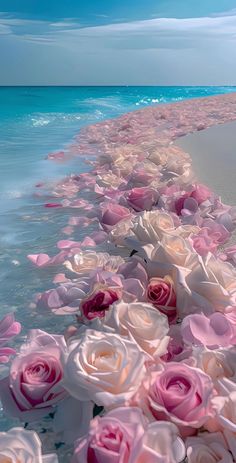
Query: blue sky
[123, 42]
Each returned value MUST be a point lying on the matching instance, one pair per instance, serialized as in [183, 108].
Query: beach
[213, 155]
[122, 246]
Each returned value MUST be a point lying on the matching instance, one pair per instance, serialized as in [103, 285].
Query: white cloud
[4, 30]
[62, 24]
[191, 51]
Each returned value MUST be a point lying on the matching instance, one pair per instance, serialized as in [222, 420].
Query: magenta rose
[179, 203]
[161, 293]
[112, 214]
[142, 199]
[34, 386]
[181, 394]
[96, 304]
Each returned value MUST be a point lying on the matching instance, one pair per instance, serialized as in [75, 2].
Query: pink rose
[161, 293]
[34, 382]
[179, 393]
[112, 438]
[98, 302]
[213, 331]
[203, 242]
[9, 328]
[142, 199]
[66, 298]
[216, 231]
[112, 214]
[201, 193]
[211, 235]
[124, 436]
[176, 349]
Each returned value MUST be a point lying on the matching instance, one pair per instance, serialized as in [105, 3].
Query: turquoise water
[33, 122]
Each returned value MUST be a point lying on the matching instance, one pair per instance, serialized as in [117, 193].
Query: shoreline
[165, 122]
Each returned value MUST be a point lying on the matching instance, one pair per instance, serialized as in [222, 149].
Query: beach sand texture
[213, 155]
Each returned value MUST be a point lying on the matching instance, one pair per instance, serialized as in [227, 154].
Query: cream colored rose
[157, 157]
[150, 167]
[109, 180]
[20, 446]
[225, 415]
[125, 167]
[103, 367]
[212, 283]
[186, 230]
[208, 448]
[151, 226]
[161, 444]
[120, 231]
[86, 261]
[142, 323]
[218, 364]
[172, 249]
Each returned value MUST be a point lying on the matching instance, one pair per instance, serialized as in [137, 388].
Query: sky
[117, 42]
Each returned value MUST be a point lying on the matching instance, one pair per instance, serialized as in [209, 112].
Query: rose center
[179, 385]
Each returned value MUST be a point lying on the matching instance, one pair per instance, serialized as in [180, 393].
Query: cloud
[4, 30]
[231, 12]
[62, 24]
[191, 51]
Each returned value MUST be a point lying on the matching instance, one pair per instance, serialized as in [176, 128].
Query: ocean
[35, 121]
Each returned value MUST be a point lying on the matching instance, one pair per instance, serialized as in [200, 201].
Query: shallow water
[34, 122]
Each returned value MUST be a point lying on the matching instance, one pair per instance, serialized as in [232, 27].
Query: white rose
[86, 261]
[149, 227]
[212, 284]
[103, 367]
[120, 231]
[158, 157]
[161, 444]
[186, 230]
[143, 323]
[171, 251]
[218, 363]
[20, 446]
[109, 180]
[208, 448]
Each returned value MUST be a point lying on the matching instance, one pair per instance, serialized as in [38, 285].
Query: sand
[213, 154]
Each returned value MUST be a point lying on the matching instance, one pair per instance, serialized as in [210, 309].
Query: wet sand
[213, 154]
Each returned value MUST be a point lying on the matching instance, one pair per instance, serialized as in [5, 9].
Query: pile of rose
[152, 351]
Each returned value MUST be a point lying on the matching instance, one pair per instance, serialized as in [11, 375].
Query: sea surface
[33, 122]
